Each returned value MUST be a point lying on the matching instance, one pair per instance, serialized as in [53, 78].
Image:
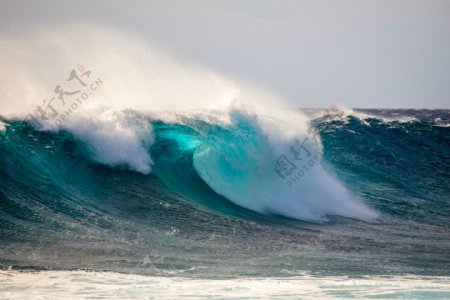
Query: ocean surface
[360, 196]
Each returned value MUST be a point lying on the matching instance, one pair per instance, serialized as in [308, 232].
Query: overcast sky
[317, 53]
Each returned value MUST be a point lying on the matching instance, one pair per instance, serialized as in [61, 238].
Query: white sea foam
[108, 285]
[114, 138]
[342, 113]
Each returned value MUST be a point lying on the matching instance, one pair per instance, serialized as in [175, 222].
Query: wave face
[363, 191]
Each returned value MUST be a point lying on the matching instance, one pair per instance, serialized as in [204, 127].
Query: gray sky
[313, 53]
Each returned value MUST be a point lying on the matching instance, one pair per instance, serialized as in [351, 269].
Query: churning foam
[75, 284]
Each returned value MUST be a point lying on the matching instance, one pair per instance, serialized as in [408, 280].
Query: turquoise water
[213, 205]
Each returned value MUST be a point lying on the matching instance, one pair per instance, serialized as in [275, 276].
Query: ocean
[231, 205]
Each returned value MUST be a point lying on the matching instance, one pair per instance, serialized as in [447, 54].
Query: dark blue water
[61, 209]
